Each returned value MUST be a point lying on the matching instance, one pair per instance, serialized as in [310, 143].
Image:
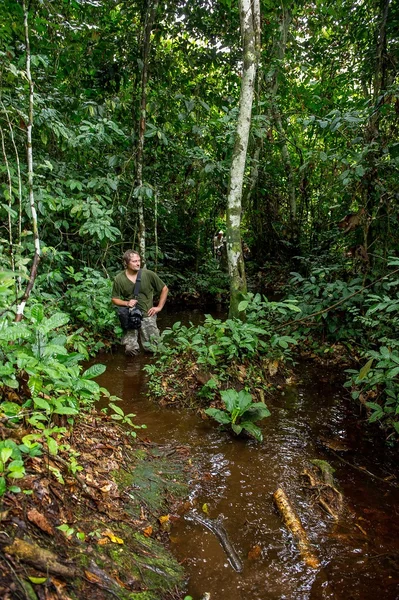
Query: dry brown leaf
[103, 541]
[273, 367]
[92, 577]
[255, 552]
[40, 521]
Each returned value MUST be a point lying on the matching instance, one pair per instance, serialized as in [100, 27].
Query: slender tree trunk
[9, 180]
[149, 21]
[19, 228]
[372, 201]
[276, 115]
[36, 258]
[250, 31]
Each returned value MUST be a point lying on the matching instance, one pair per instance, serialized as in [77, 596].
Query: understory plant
[43, 387]
[376, 385]
[240, 413]
[219, 347]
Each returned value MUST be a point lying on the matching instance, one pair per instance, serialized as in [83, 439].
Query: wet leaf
[148, 531]
[255, 553]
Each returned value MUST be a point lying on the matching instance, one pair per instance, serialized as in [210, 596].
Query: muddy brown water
[359, 555]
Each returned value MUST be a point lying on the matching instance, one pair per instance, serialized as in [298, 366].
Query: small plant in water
[240, 412]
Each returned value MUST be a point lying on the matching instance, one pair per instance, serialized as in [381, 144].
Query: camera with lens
[135, 318]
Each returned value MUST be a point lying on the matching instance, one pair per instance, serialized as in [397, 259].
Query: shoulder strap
[136, 290]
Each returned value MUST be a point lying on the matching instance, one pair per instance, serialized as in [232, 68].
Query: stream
[310, 419]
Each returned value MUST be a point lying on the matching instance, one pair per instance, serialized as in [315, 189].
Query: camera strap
[136, 290]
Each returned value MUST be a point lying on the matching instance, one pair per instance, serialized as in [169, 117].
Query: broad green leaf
[218, 415]
[256, 412]
[236, 428]
[52, 446]
[230, 398]
[364, 371]
[5, 454]
[3, 486]
[94, 371]
[117, 409]
[10, 408]
[65, 410]
[243, 305]
[55, 321]
[42, 403]
[37, 312]
[253, 430]
[244, 401]
[35, 384]
[14, 331]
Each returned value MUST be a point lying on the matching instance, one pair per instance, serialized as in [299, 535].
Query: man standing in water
[123, 298]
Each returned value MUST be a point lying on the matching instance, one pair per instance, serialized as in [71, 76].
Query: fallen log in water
[294, 524]
[216, 527]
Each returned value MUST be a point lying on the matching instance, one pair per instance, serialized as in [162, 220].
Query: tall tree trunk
[250, 31]
[371, 191]
[276, 114]
[36, 258]
[149, 21]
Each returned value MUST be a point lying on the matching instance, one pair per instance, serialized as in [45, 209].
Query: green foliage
[125, 419]
[240, 413]
[218, 342]
[219, 347]
[378, 384]
[87, 301]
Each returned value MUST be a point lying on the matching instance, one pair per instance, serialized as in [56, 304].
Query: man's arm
[162, 299]
[128, 303]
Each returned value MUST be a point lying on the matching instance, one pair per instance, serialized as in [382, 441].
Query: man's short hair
[128, 254]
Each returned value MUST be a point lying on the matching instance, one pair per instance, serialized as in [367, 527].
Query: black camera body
[135, 318]
[130, 318]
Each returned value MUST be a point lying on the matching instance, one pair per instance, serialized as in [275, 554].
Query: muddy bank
[93, 527]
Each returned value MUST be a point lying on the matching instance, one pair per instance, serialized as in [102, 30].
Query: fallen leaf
[273, 368]
[111, 536]
[205, 508]
[103, 541]
[40, 521]
[37, 580]
[163, 519]
[254, 553]
[92, 577]
[148, 531]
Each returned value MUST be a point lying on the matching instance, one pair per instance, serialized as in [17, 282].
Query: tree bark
[250, 31]
[149, 21]
[276, 114]
[36, 258]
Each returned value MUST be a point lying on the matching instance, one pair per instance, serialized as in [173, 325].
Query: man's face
[134, 262]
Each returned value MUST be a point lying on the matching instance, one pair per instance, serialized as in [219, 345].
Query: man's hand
[153, 311]
[131, 303]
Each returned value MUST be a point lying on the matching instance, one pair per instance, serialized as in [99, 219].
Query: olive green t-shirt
[150, 284]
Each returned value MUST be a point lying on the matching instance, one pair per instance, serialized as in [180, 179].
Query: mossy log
[294, 524]
[40, 558]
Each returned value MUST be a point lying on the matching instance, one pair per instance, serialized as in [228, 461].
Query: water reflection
[359, 554]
